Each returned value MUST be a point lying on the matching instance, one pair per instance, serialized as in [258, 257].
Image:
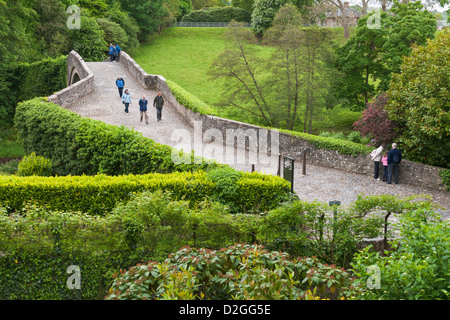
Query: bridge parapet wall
[80, 80]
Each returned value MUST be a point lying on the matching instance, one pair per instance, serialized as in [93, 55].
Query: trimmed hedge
[99, 194]
[189, 100]
[28, 80]
[218, 14]
[78, 145]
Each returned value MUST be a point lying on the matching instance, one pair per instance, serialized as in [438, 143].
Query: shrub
[445, 175]
[34, 165]
[78, 145]
[218, 14]
[418, 267]
[10, 167]
[237, 272]
[99, 194]
[375, 122]
[306, 228]
[28, 80]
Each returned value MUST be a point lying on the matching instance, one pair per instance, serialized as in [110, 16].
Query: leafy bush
[99, 194]
[445, 175]
[34, 165]
[237, 272]
[305, 229]
[10, 167]
[375, 122]
[78, 145]
[218, 14]
[418, 268]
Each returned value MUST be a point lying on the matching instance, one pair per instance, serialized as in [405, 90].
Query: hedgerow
[188, 99]
[100, 193]
[78, 145]
[218, 14]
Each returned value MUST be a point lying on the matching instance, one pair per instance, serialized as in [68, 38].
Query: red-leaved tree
[376, 123]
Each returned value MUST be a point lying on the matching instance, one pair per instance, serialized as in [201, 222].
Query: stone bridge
[92, 92]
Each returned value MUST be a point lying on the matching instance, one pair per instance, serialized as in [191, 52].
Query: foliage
[306, 229]
[445, 175]
[34, 165]
[226, 187]
[78, 145]
[263, 13]
[419, 102]
[89, 41]
[28, 80]
[147, 15]
[188, 100]
[375, 122]
[418, 268]
[236, 272]
[10, 167]
[218, 14]
[100, 193]
[342, 146]
[113, 32]
[373, 53]
[247, 5]
[128, 24]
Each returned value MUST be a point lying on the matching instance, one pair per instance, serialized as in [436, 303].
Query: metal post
[279, 166]
[253, 167]
[334, 203]
[304, 162]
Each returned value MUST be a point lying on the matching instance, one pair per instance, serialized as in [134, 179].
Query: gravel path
[319, 183]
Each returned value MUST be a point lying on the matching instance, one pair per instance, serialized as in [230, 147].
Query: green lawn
[184, 55]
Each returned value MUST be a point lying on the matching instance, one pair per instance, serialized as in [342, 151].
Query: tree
[375, 122]
[419, 101]
[244, 4]
[240, 64]
[89, 41]
[360, 61]
[263, 13]
[343, 17]
[409, 25]
[147, 15]
[373, 52]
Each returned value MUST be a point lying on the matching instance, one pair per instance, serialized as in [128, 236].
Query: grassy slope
[184, 55]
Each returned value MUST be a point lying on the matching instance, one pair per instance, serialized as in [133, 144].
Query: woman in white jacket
[376, 158]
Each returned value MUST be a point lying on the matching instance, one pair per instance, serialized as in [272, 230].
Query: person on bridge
[158, 102]
[126, 100]
[394, 158]
[120, 83]
[143, 108]
[116, 52]
[111, 52]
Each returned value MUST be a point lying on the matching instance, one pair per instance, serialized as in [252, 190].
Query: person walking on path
[376, 158]
[116, 52]
[394, 159]
[384, 161]
[158, 102]
[126, 100]
[143, 108]
[111, 52]
[120, 83]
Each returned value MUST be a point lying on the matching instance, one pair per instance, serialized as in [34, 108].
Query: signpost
[288, 171]
[334, 203]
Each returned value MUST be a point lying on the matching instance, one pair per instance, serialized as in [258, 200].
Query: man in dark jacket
[120, 83]
[394, 158]
[158, 102]
[143, 108]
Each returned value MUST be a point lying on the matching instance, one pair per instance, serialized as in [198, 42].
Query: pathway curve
[319, 183]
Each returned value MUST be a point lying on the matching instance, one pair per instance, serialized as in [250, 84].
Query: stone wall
[79, 89]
